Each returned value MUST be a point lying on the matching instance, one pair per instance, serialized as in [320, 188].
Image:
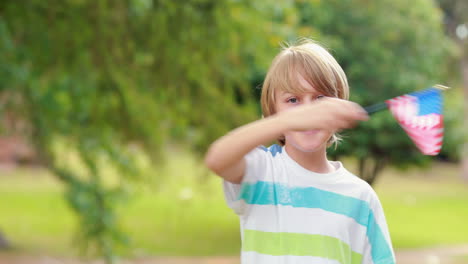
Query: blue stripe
[268, 193]
[379, 247]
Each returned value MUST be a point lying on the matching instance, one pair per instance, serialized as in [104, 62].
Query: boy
[294, 205]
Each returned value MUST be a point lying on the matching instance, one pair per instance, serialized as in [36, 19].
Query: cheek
[279, 107]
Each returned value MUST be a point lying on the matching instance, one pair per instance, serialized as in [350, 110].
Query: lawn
[425, 208]
[179, 214]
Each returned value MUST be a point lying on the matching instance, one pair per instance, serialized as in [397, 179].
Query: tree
[4, 243]
[456, 24]
[101, 78]
[387, 48]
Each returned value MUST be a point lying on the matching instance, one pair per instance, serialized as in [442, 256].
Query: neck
[315, 161]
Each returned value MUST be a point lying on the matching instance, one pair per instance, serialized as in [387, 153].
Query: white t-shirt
[289, 214]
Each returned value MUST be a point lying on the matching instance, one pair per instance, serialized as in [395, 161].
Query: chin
[306, 144]
[307, 148]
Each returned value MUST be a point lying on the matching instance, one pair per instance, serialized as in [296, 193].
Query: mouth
[310, 132]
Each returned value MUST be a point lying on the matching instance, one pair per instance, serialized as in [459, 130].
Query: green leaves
[94, 79]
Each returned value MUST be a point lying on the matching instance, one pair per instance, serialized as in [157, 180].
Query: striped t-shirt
[289, 214]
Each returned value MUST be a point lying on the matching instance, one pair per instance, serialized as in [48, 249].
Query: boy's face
[306, 141]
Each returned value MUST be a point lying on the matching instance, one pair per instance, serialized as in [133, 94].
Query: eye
[292, 100]
[320, 96]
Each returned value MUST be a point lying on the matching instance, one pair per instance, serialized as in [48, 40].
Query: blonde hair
[315, 64]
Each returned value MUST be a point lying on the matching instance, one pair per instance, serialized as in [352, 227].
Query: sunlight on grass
[425, 208]
[35, 216]
[183, 215]
[201, 226]
[461, 259]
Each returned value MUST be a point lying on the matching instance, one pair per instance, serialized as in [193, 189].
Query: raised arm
[225, 156]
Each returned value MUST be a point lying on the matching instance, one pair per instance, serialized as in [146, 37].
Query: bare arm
[231, 165]
[330, 114]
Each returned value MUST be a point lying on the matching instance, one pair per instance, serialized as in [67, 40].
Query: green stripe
[295, 244]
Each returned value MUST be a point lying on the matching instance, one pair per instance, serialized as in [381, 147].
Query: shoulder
[348, 177]
[359, 187]
[262, 161]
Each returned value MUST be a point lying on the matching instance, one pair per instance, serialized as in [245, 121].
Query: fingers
[360, 113]
[353, 109]
[345, 114]
[357, 112]
[340, 124]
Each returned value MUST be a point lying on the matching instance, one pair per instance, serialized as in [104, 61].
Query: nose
[308, 99]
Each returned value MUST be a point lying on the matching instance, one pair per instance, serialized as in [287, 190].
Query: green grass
[425, 208]
[34, 214]
[197, 227]
[461, 259]
[178, 214]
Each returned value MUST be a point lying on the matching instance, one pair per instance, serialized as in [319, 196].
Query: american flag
[420, 115]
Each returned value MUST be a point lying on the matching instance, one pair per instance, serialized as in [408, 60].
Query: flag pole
[382, 106]
[375, 108]
[441, 87]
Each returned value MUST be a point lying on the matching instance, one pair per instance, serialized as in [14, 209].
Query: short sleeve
[379, 247]
[255, 167]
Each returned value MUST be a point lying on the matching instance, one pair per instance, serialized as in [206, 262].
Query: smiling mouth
[311, 132]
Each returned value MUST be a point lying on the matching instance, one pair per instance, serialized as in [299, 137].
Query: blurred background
[107, 108]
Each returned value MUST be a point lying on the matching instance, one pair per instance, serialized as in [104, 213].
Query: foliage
[104, 78]
[456, 15]
[454, 134]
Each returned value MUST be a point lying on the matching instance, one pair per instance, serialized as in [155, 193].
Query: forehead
[299, 85]
[297, 72]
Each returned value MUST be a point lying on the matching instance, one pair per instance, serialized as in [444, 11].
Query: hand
[328, 113]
